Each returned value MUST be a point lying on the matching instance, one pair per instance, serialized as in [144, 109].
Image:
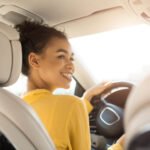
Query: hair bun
[26, 28]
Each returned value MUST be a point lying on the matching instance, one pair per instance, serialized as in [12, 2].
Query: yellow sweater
[65, 117]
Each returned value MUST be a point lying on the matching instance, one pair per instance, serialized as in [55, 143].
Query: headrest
[137, 112]
[10, 55]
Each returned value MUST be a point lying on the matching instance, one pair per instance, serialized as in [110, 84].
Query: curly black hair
[34, 37]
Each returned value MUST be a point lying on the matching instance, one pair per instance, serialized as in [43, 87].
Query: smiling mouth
[67, 76]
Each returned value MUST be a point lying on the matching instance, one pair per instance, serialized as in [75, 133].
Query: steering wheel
[106, 118]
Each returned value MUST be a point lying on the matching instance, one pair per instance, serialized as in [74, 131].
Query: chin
[66, 86]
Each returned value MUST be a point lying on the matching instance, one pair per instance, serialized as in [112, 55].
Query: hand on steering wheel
[96, 90]
[107, 116]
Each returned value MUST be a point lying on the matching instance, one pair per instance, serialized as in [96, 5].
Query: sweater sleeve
[116, 147]
[79, 127]
[88, 105]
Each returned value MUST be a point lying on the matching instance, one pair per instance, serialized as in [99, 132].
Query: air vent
[13, 15]
[141, 8]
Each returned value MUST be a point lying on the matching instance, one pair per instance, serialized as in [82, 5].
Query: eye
[61, 57]
[72, 58]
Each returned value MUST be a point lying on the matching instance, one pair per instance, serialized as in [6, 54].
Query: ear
[34, 60]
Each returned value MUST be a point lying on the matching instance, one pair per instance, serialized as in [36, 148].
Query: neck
[35, 82]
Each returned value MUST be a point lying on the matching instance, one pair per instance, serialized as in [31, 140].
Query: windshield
[121, 54]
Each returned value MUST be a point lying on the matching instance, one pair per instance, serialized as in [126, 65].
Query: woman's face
[56, 64]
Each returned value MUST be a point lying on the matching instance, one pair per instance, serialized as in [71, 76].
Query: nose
[70, 65]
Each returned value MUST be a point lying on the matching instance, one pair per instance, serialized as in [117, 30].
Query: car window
[121, 54]
[70, 91]
[19, 87]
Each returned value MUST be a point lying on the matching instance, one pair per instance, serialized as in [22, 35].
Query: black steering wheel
[106, 118]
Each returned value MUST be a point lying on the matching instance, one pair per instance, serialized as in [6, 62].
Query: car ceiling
[56, 11]
[75, 15]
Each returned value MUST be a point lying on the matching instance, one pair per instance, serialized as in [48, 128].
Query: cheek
[51, 69]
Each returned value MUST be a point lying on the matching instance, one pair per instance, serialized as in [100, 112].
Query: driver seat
[19, 124]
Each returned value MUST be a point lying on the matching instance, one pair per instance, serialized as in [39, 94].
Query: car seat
[137, 117]
[19, 124]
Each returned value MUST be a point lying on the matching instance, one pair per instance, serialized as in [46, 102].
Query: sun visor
[141, 8]
[12, 15]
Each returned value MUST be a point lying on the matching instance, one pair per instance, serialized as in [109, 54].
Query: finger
[108, 84]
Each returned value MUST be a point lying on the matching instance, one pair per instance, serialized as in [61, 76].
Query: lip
[67, 75]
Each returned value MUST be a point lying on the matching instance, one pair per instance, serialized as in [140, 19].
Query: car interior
[110, 41]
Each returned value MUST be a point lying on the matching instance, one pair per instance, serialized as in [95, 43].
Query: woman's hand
[98, 89]
[119, 144]
[121, 140]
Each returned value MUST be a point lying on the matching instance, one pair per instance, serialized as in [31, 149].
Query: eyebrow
[64, 51]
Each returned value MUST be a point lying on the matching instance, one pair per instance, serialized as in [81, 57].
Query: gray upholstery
[18, 122]
[137, 110]
[10, 58]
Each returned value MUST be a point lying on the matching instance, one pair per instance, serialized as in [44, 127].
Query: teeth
[67, 75]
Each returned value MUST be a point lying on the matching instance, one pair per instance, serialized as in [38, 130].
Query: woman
[48, 65]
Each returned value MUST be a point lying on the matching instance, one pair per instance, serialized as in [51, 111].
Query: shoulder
[74, 103]
[71, 103]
